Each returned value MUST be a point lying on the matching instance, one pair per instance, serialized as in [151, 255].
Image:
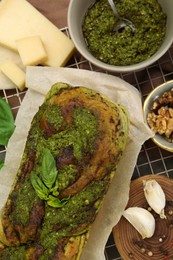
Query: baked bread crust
[86, 134]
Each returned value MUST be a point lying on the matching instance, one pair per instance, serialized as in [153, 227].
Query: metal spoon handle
[124, 22]
[114, 9]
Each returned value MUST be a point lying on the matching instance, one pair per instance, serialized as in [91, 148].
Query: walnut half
[160, 119]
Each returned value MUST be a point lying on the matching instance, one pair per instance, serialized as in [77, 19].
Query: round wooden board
[130, 243]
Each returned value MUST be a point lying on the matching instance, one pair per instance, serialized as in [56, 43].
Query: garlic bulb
[155, 196]
[142, 220]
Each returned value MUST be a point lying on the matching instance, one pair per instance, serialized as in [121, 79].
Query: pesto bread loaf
[75, 142]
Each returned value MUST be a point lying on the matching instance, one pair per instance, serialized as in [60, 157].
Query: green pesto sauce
[76, 212]
[54, 117]
[24, 199]
[66, 175]
[80, 134]
[124, 48]
[13, 253]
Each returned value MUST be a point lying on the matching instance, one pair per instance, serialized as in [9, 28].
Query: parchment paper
[39, 80]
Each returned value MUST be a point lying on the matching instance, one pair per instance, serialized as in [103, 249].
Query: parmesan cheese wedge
[7, 54]
[14, 73]
[19, 19]
[31, 50]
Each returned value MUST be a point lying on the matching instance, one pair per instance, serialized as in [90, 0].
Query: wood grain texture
[130, 243]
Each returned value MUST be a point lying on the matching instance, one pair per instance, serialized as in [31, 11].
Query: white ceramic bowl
[76, 12]
[156, 93]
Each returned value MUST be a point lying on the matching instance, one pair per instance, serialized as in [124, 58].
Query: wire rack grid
[151, 159]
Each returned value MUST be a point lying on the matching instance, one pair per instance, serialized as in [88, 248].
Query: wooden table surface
[151, 160]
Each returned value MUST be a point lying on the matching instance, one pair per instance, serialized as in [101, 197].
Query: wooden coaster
[130, 243]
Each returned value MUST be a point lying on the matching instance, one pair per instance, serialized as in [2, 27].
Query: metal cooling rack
[152, 159]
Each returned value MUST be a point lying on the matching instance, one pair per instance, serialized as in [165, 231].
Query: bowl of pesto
[92, 25]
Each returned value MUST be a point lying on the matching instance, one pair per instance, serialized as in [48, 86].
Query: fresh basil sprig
[41, 190]
[49, 171]
[6, 122]
[47, 186]
[57, 203]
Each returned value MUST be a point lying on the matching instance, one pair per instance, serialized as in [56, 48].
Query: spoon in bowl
[123, 21]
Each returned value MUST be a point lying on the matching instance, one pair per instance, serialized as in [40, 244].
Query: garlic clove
[155, 196]
[142, 220]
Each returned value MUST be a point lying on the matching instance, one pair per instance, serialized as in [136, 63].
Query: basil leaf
[39, 187]
[6, 122]
[47, 187]
[49, 171]
[55, 192]
[54, 189]
[1, 164]
[56, 203]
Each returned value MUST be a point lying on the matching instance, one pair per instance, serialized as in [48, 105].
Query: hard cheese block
[14, 73]
[19, 19]
[31, 50]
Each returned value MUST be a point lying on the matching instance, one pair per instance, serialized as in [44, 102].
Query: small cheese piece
[14, 73]
[31, 50]
[7, 54]
[19, 19]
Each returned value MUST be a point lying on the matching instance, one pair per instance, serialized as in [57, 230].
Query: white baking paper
[39, 80]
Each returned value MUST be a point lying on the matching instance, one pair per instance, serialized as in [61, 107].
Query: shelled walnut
[160, 119]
